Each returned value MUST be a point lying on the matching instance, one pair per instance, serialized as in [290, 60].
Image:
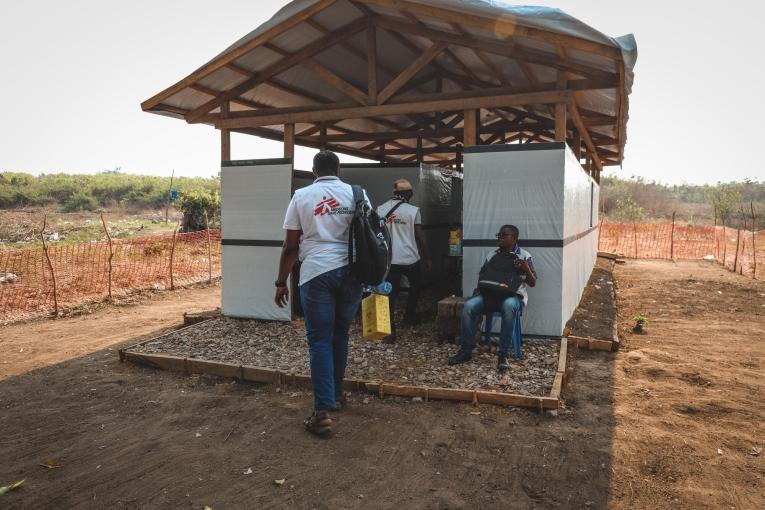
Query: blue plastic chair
[516, 337]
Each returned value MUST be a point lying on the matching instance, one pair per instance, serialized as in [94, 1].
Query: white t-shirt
[401, 225]
[323, 211]
[523, 254]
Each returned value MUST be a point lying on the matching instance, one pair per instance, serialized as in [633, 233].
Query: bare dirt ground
[641, 428]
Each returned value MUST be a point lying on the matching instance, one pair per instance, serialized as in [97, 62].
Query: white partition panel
[254, 199]
[543, 190]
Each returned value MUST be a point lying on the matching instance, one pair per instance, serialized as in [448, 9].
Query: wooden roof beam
[507, 48]
[234, 54]
[289, 115]
[399, 81]
[502, 26]
[577, 118]
[277, 68]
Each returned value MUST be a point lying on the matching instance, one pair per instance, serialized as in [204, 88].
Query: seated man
[510, 307]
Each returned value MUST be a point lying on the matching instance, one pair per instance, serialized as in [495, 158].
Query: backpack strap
[390, 213]
[358, 194]
[358, 199]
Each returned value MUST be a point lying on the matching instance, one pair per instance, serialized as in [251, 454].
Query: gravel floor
[415, 359]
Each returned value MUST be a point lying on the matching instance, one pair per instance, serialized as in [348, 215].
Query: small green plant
[640, 322]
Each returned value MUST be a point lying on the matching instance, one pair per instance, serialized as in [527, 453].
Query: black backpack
[369, 240]
[499, 279]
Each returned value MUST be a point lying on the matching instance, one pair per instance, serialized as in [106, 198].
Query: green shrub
[194, 205]
[80, 201]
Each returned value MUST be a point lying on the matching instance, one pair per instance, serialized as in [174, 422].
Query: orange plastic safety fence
[739, 250]
[82, 270]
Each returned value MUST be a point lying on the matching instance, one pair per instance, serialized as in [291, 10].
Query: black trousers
[414, 275]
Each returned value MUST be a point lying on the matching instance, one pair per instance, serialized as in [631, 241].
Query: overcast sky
[74, 73]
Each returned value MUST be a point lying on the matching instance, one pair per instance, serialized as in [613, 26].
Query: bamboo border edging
[273, 376]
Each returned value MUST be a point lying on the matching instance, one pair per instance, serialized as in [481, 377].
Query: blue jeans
[472, 313]
[330, 302]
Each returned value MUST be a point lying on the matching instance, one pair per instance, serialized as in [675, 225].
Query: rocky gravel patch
[415, 359]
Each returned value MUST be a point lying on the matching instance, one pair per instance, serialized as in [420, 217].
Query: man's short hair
[326, 163]
[511, 228]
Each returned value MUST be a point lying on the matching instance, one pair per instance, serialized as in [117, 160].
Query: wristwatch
[277, 283]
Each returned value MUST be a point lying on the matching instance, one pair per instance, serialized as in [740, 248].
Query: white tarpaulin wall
[543, 190]
[432, 194]
[254, 199]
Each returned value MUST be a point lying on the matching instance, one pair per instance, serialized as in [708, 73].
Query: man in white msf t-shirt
[317, 224]
[409, 250]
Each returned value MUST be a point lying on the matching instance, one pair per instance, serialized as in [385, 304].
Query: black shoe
[461, 357]
[502, 364]
[319, 424]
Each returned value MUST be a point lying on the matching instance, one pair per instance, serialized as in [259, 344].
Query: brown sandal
[319, 424]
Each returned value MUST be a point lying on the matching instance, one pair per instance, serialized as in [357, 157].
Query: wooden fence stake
[172, 255]
[672, 239]
[50, 266]
[111, 254]
[209, 250]
[754, 251]
[735, 258]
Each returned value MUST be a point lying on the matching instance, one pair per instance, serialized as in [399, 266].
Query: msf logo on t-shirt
[325, 206]
[393, 219]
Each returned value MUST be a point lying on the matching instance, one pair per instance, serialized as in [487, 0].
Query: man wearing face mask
[510, 307]
[410, 251]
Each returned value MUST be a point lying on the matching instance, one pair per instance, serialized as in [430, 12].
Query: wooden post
[172, 255]
[111, 254]
[419, 149]
[470, 128]
[289, 141]
[225, 135]
[372, 64]
[209, 250]
[754, 251]
[577, 145]
[735, 258]
[560, 122]
[458, 157]
[725, 240]
[323, 137]
[50, 266]
[169, 193]
[672, 239]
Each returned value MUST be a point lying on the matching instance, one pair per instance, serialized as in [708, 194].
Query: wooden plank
[557, 385]
[399, 81]
[562, 355]
[510, 399]
[372, 64]
[505, 26]
[317, 115]
[219, 368]
[289, 140]
[236, 53]
[160, 361]
[262, 375]
[502, 48]
[277, 68]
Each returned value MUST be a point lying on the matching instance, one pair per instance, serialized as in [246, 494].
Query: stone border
[379, 387]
